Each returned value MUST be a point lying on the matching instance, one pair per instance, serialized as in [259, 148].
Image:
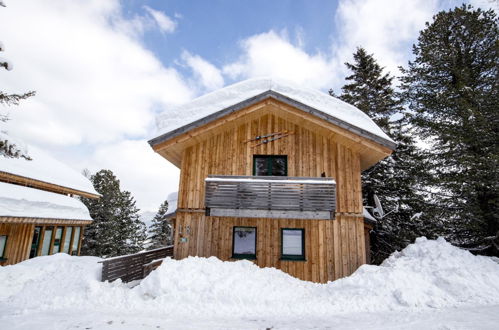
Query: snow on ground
[20, 201]
[430, 284]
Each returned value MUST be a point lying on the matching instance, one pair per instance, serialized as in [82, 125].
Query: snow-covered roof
[172, 203]
[211, 106]
[20, 201]
[44, 168]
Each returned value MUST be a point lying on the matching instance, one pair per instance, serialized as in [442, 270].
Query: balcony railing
[270, 197]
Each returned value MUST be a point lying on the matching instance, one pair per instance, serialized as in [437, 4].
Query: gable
[369, 151]
[234, 98]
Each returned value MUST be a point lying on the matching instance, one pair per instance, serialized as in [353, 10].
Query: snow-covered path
[428, 285]
[463, 318]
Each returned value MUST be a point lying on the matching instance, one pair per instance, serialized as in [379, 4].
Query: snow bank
[19, 201]
[427, 274]
[43, 167]
[228, 96]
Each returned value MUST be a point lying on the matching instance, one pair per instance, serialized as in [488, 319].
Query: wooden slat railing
[134, 266]
[272, 196]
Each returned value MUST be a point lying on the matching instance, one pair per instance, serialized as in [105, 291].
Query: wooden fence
[135, 266]
[276, 196]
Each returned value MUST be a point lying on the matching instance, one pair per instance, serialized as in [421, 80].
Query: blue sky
[214, 28]
[103, 70]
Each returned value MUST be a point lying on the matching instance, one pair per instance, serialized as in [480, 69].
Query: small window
[35, 242]
[67, 240]
[3, 245]
[76, 241]
[292, 244]
[270, 165]
[47, 239]
[57, 240]
[244, 243]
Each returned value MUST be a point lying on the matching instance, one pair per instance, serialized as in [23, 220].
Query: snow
[256, 179]
[430, 285]
[20, 201]
[228, 96]
[43, 167]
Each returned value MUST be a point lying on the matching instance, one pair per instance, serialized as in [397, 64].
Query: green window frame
[238, 255]
[271, 164]
[3, 246]
[285, 255]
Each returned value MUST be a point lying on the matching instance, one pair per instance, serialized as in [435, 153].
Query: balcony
[270, 197]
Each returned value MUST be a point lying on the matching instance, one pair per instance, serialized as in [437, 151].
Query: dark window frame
[2, 257]
[294, 257]
[269, 166]
[243, 256]
[35, 246]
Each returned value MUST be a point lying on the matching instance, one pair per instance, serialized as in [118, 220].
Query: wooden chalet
[271, 172]
[38, 212]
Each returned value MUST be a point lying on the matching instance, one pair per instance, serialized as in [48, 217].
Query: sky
[104, 69]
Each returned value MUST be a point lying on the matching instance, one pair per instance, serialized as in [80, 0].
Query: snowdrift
[427, 274]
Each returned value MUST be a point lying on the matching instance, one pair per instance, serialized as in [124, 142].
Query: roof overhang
[47, 186]
[44, 221]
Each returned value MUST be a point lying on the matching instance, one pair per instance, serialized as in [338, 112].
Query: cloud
[165, 23]
[154, 177]
[271, 54]
[384, 27]
[205, 74]
[98, 89]
[94, 82]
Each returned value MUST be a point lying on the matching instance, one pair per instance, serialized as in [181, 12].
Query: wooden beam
[279, 214]
[44, 221]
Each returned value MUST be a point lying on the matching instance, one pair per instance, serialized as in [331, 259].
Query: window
[270, 165]
[292, 244]
[244, 243]
[35, 242]
[47, 239]
[76, 241]
[57, 240]
[3, 245]
[67, 240]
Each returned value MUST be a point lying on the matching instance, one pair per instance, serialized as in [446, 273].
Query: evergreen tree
[452, 89]
[7, 148]
[161, 229]
[116, 229]
[396, 178]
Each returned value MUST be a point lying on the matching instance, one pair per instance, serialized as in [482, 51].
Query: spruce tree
[396, 178]
[116, 229]
[452, 89]
[7, 147]
[160, 233]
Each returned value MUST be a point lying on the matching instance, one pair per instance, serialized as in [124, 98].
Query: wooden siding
[333, 248]
[19, 237]
[309, 152]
